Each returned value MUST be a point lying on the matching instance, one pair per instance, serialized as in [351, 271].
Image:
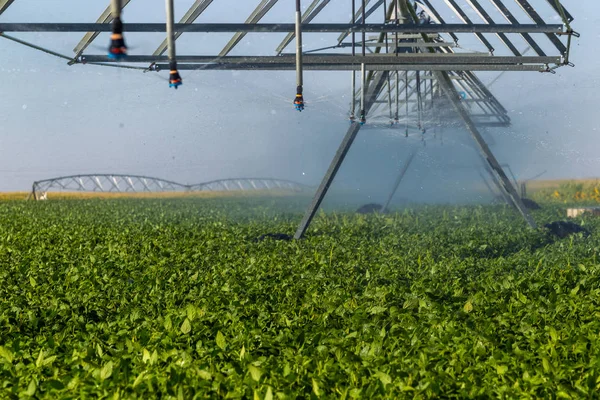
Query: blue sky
[60, 120]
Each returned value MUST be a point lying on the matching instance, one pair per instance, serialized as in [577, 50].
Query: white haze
[60, 120]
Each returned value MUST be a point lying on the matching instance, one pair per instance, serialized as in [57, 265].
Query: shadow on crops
[546, 236]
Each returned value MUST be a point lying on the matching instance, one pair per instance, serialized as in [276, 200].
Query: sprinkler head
[299, 100]
[174, 78]
[117, 49]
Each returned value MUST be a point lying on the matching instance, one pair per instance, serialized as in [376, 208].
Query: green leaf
[269, 395]
[242, 352]
[168, 325]
[154, 357]
[383, 377]
[106, 371]
[139, 379]
[190, 312]
[315, 387]
[31, 388]
[145, 356]
[186, 327]
[468, 307]
[204, 374]
[40, 360]
[49, 360]
[32, 281]
[377, 310]
[221, 340]
[6, 354]
[501, 369]
[553, 334]
[546, 364]
[575, 290]
[255, 372]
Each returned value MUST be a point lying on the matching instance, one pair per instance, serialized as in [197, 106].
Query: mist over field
[60, 120]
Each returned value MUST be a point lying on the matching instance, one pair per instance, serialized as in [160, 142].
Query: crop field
[175, 299]
[567, 191]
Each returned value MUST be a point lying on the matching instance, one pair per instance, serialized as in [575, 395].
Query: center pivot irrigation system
[413, 70]
[122, 183]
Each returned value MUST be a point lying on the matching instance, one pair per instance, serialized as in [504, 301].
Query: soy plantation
[176, 299]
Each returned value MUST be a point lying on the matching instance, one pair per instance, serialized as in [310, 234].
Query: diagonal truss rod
[483, 14]
[505, 183]
[311, 12]
[190, 16]
[375, 88]
[432, 12]
[555, 6]
[4, 4]
[497, 172]
[464, 18]
[261, 10]
[105, 18]
[535, 17]
[358, 17]
[399, 179]
[510, 18]
[35, 47]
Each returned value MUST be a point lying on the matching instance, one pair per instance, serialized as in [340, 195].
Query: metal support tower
[438, 86]
[338, 159]
[403, 171]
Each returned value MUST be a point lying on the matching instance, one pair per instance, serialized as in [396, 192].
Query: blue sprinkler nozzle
[117, 49]
[175, 79]
[299, 100]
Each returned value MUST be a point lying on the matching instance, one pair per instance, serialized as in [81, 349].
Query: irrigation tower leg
[498, 184]
[373, 91]
[399, 180]
[328, 179]
[489, 187]
[501, 179]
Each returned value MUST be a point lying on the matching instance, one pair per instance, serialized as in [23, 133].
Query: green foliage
[172, 299]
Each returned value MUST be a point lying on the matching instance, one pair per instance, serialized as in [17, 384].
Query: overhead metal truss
[421, 105]
[555, 29]
[248, 184]
[414, 71]
[120, 183]
[508, 32]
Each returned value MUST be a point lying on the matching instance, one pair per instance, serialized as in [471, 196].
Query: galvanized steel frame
[443, 62]
[123, 183]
